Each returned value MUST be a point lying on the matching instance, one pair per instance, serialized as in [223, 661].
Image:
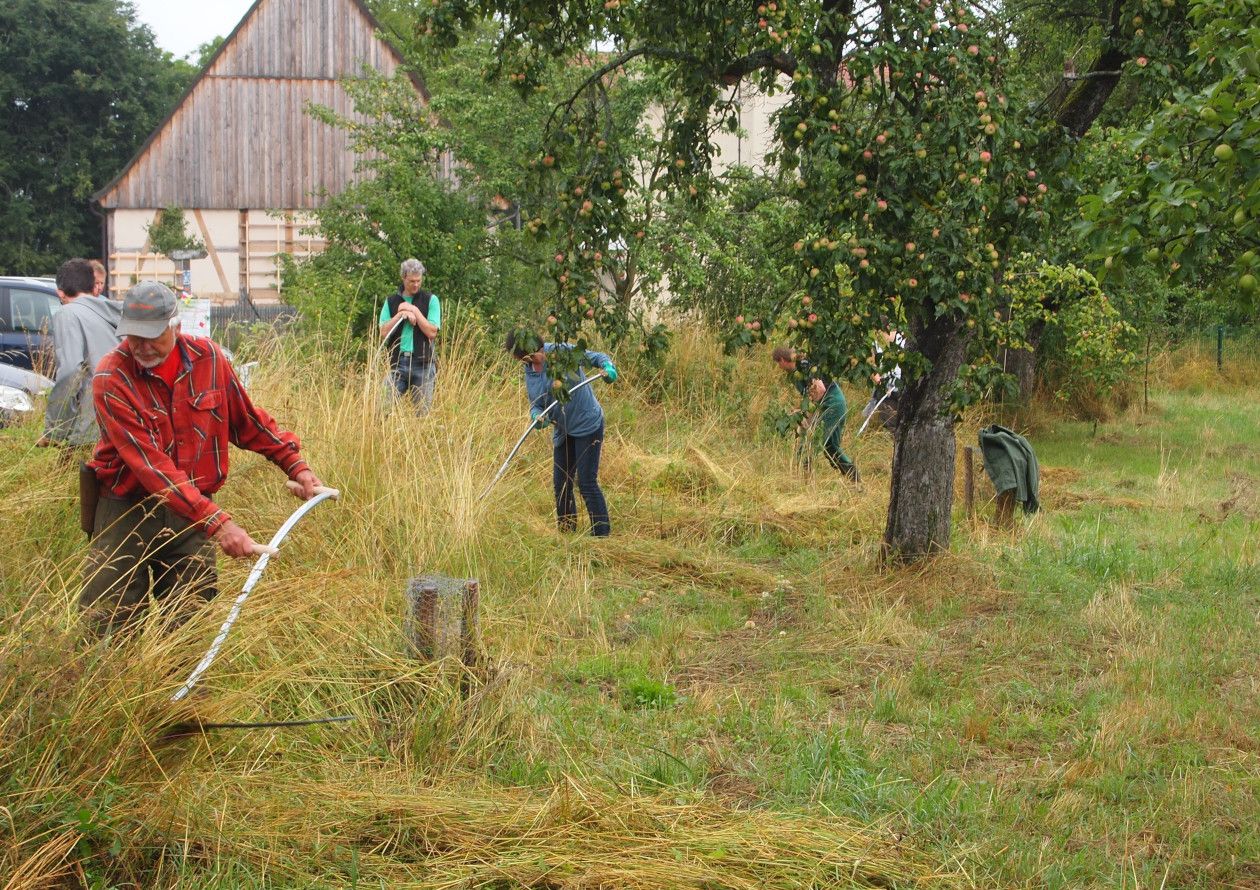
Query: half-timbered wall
[241, 251]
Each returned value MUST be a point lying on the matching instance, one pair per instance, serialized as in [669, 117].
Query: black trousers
[577, 460]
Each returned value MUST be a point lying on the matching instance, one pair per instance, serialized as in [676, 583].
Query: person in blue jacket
[578, 433]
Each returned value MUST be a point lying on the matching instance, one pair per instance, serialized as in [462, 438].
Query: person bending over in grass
[821, 388]
[578, 434]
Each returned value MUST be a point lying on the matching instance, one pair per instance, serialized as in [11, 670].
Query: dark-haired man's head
[75, 277]
[522, 342]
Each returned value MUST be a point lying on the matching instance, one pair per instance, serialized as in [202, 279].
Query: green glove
[611, 371]
[534, 414]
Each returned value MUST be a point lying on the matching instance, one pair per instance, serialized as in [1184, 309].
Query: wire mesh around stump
[441, 620]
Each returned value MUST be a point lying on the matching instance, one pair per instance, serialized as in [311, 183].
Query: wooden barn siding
[304, 39]
[240, 142]
[243, 137]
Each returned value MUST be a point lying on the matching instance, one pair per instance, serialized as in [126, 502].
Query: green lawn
[1072, 705]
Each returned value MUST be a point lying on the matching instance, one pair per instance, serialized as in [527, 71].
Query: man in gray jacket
[83, 331]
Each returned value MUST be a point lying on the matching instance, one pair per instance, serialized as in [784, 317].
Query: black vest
[421, 346]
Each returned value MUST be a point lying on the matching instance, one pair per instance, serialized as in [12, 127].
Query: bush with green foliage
[81, 86]
[169, 232]
[1192, 203]
[1085, 348]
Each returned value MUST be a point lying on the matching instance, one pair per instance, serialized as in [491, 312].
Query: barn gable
[242, 154]
[241, 136]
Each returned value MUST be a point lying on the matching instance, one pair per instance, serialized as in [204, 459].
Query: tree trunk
[1022, 363]
[922, 491]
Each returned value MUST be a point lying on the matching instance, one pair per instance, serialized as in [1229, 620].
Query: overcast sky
[183, 25]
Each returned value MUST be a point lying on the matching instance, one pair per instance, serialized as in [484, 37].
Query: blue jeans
[415, 381]
[577, 459]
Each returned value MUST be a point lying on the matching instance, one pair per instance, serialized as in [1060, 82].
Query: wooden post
[969, 482]
[242, 251]
[1006, 508]
[469, 626]
[423, 636]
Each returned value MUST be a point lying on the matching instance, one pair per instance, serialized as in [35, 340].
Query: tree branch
[779, 61]
[1078, 99]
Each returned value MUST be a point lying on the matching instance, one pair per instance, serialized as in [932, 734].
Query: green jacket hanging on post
[1010, 462]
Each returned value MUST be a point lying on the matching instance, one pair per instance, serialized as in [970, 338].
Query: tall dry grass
[400, 795]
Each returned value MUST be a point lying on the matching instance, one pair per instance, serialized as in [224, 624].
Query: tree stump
[442, 619]
[1006, 508]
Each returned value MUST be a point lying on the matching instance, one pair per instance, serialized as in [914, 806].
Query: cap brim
[148, 329]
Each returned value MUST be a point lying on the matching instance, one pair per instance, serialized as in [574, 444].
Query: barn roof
[241, 136]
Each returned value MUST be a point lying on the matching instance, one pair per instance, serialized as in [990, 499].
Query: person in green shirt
[821, 388]
[410, 321]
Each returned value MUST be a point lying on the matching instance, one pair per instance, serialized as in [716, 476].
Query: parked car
[27, 306]
[19, 391]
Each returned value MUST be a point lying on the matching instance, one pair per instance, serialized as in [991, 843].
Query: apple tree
[917, 175]
[1192, 205]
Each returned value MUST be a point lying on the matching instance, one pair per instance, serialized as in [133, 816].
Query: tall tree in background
[81, 86]
[404, 209]
[919, 173]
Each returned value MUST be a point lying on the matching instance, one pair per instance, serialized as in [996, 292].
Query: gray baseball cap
[147, 310]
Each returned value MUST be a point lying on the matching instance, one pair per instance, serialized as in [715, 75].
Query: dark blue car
[27, 306]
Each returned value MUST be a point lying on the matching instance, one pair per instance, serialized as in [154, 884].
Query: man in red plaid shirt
[168, 404]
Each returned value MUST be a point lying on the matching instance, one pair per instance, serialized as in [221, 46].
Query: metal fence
[1223, 343]
[224, 317]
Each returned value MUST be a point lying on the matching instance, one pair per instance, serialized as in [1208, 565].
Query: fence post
[469, 626]
[969, 481]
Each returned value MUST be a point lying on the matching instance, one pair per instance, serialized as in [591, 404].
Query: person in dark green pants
[834, 409]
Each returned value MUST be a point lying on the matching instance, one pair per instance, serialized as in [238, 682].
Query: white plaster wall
[130, 260]
[756, 136]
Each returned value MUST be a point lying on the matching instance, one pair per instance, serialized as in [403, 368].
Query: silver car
[20, 390]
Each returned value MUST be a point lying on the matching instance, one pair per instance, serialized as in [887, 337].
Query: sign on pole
[194, 315]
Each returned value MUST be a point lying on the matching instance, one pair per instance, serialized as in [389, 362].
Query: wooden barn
[241, 155]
